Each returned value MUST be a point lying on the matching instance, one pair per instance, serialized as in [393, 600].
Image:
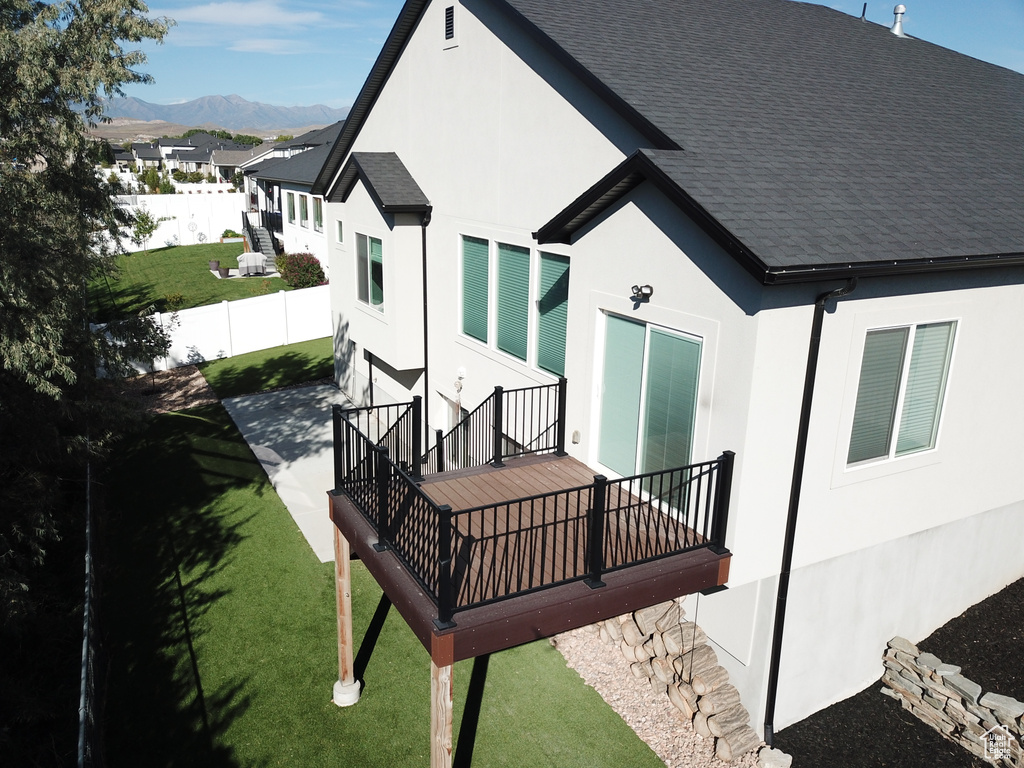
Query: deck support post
[346, 688]
[439, 447]
[441, 709]
[417, 437]
[339, 472]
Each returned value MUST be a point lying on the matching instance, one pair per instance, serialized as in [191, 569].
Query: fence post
[417, 436]
[595, 524]
[382, 477]
[499, 418]
[560, 428]
[723, 494]
[284, 313]
[338, 448]
[227, 322]
[444, 568]
[439, 449]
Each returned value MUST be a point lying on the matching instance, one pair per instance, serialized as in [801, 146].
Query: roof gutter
[794, 501]
[890, 268]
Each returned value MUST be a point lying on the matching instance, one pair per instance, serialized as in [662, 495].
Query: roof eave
[807, 274]
[621, 180]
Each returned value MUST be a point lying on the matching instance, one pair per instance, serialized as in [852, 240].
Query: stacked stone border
[674, 655]
[939, 696]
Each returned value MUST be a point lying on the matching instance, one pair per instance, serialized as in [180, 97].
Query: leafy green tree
[144, 225]
[284, 137]
[244, 138]
[166, 186]
[58, 60]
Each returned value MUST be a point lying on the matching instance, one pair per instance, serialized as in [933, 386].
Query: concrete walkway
[290, 432]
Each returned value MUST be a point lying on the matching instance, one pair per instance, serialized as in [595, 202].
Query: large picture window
[502, 307]
[899, 396]
[370, 271]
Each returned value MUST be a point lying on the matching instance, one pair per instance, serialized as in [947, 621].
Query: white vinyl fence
[245, 325]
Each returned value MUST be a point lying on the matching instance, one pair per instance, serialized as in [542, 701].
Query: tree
[58, 60]
[244, 138]
[144, 224]
[284, 137]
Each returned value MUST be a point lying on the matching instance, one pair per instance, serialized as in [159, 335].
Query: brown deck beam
[532, 616]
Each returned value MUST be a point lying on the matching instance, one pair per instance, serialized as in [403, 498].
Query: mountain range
[232, 112]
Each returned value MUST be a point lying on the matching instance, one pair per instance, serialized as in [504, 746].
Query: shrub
[174, 301]
[300, 270]
[229, 233]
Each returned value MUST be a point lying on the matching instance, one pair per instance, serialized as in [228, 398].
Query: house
[760, 227]
[147, 155]
[225, 163]
[280, 186]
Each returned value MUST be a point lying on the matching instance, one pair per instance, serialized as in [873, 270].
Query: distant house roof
[146, 151]
[387, 180]
[808, 142]
[302, 167]
[239, 156]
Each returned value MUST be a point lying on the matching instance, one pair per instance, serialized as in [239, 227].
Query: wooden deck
[514, 548]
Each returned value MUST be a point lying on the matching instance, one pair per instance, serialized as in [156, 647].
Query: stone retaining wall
[987, 724]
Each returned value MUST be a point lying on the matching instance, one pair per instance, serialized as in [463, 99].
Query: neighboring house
[123, 159]
[280, 185]
[199, 156]
[224, 163]
[147, 155]
[668, 203]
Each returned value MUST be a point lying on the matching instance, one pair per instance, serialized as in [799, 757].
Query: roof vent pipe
[864, 12]
[897, 25]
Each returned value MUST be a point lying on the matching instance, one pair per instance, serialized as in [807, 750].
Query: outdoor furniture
[252, 264]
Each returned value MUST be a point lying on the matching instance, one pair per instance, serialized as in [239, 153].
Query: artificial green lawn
[154, 278]
[269, 368]
[221, 636]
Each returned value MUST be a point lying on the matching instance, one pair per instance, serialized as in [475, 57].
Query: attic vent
[449, 23]
[897, 25]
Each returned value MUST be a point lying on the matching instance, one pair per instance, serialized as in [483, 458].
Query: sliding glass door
[648, 397]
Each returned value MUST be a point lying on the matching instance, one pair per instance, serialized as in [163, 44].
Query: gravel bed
[650, 714]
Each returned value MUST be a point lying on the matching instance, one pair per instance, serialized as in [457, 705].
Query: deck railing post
[723, 493]
[417, 436]
[339, 448]
[445, 601]
[560, 428]
[595, 524]
[499, 420]
[382, 476]
[439, 449]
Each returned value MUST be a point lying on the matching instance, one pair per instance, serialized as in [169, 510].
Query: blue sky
[303, 52]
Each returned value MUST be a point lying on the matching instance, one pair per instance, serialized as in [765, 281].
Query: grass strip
[174, 278]
[222, 642]
[270, 368]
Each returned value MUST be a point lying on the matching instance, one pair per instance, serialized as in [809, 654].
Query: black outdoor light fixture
[642, 292]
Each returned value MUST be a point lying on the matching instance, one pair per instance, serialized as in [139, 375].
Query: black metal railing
[509, 423]
[250, 234]
[271, 221]
[469, 557]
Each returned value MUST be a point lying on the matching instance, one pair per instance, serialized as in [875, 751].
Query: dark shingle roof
[299, 169]
[806, 138]
[814, 138]
[386, 178]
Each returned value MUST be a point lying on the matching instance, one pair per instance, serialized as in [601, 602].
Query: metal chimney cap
[897, 25]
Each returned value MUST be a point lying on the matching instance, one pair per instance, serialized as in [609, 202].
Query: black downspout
[794, 502]
[426, 369]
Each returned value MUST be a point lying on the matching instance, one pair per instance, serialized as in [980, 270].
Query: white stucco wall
[299, 238]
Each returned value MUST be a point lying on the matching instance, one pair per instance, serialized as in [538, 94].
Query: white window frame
[318, 214]
[303, 211]
[368, 302]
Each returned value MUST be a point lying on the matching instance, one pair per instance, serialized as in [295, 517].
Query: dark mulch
[987, 642]
[871, 730]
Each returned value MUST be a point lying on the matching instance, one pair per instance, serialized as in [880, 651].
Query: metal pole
[723, 493]
[382, 469]
[560, 429]
[444, 568]
[499, 418]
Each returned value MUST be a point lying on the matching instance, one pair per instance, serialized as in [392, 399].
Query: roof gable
[386, 178]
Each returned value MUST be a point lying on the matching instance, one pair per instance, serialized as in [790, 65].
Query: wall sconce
[642, 293]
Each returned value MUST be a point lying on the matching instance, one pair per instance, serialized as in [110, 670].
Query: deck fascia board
[532, 616]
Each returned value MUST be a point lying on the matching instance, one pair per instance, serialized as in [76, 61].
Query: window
[510, 322]
[370, 271]
[340, 231]
[291, 208]
[900, 392]
[318, 214]
[303, 211]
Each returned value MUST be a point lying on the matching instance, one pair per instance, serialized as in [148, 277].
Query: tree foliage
[58, 60]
